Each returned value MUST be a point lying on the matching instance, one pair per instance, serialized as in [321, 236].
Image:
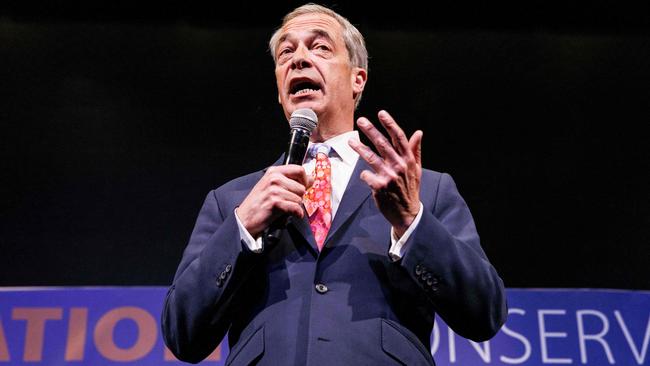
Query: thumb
[310, 181]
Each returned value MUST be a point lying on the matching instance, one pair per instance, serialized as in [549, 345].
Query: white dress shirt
[343, 160]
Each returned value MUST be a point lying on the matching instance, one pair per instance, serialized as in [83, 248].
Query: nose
[301, 58]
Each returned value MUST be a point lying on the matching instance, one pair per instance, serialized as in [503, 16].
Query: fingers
[280, 194]
[310, 181]
[384, 147]
[283, 192]
[290, 177]
[396, 154]
[295, 172]
[415, 145]
[374, 181]
[367, 154]
[397, 136]
[294, 210]
[291, 204]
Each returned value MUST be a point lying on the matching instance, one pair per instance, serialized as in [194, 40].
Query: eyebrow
[316, 33]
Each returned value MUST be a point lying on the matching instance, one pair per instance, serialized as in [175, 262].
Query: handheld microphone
[302, 122]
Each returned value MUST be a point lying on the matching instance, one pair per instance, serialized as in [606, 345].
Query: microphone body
[302, 123]
[298, 141]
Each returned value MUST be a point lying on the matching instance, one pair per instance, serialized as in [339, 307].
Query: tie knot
[317, 148]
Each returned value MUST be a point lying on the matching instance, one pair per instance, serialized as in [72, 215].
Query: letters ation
[76, 338]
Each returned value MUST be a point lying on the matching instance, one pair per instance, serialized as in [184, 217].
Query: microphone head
[304, 119]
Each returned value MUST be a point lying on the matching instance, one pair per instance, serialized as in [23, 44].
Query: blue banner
[121, 326]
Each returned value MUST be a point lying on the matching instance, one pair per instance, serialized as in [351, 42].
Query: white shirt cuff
[255, 245]
[396, 251]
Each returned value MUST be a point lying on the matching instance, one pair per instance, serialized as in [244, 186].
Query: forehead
[310, 23]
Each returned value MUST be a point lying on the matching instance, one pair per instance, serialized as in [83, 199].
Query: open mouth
[304, 87]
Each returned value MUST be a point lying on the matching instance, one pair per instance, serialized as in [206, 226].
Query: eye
[284, 51]
[284, 54]
[322, 47]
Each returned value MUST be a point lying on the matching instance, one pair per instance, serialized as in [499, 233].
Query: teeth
[303, 91]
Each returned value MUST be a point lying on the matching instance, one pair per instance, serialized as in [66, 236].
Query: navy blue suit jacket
[347, 305]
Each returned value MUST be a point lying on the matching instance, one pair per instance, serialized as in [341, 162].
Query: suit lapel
[302, 226]
[355, 194]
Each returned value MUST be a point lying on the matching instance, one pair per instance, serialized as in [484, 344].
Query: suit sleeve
[444, 257]
[196, 313]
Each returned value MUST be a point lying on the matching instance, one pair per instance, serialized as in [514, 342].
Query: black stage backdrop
[117, 120]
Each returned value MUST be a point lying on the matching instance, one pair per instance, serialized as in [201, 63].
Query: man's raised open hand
[395, 180]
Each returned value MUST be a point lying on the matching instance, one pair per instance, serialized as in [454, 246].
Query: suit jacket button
[219, 282]
[223, 275]
[228, 268]
[321, 289]
[418, 270]
[429, 282]
[424, 276]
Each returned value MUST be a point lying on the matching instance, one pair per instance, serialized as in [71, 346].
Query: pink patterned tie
[317, 199]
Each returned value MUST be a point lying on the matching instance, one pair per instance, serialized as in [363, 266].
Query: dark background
[118, 119]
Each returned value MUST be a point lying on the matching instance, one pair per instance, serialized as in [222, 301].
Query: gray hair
[353, 39]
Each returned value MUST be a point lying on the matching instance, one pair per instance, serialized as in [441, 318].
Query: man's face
[313, 68]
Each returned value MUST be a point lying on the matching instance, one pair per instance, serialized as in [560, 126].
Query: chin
[313, 105]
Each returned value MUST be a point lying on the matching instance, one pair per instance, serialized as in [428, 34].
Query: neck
[328, 128]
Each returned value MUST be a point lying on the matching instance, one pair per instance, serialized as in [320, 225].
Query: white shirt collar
[340, 147]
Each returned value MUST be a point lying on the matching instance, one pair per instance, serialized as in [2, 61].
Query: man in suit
[374, 245]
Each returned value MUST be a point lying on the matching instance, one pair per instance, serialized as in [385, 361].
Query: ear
[359, 78]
